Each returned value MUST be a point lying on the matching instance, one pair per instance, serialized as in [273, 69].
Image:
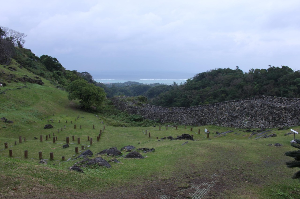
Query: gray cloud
[180, 36]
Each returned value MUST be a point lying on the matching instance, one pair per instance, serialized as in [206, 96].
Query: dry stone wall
[257, 112]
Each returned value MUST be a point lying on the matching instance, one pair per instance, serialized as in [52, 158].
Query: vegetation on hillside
[227, 84]
[80, 85]
[214, 86]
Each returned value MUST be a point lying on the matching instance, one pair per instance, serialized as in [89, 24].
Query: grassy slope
[239, 166]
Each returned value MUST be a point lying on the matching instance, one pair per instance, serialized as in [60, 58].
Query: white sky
[147, 38]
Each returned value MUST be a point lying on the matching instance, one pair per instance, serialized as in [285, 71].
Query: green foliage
[89, 95]
[31, 62]
[226, 84]
[51, 63]
[135, 89]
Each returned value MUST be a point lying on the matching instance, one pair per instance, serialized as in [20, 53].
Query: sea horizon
[143, 81]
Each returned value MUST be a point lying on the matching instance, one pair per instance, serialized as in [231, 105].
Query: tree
[51, 63]
[7, 49]
[87, 76]
[17, 38]
[89, 95]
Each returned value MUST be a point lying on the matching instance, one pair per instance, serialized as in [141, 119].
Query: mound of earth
[134, 154]
[111, 151]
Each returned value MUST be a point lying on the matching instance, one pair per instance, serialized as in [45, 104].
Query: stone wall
[258, 112]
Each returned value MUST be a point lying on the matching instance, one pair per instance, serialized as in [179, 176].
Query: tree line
[226, 84]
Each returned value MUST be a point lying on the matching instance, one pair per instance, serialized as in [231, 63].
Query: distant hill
[227, 84]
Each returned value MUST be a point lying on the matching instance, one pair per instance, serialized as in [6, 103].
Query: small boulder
[85, 154]
[185, 137]
[277, 144]
[48, 126]
[134, 154]
[65, 146]
[42, 161]
[128, 148]
[170, 137]
[272, 135]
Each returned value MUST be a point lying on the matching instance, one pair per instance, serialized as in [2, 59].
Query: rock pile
[111, 152]
[90, 163]
[256, 112]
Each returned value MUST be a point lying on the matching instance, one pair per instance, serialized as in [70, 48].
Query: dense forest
[227, 84]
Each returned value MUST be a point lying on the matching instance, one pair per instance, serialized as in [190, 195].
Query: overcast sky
[167, 37]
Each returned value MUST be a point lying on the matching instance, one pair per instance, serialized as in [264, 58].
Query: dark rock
[288, 133]
[277, 144]
[170, 138]
[35, 138]
[134, 154]
[146, 150]
[185, 137]
[65, 146]
[6, 120]
[11, 69]
[99, 161]
[272, 135]
[42, 161]
[76, 168]
[128, 148]
[48, 126]
[28, 79]
[3, 119]
[85, 154]
[111, 151]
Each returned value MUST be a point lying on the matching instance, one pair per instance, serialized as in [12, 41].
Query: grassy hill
[236, 164]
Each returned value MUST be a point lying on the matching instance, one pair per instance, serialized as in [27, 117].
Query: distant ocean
[143, 81]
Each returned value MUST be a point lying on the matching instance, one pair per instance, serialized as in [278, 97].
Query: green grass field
[231, 166]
